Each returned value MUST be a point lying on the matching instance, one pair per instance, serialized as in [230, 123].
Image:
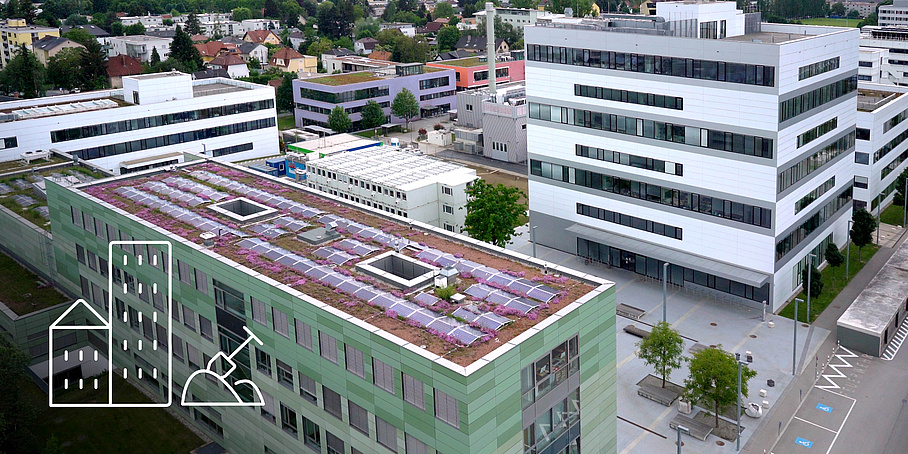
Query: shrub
[422, 131]
[445, 293]
[438, 127]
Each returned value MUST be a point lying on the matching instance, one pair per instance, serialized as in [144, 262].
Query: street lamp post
[664, 291]
[763, 318]
[533, 239]
[879, 217]
[738, 405]
[810, 260]
[681, 429]
[848, 251]
[794, 344]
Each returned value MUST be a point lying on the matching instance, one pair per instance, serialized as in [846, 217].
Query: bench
[696, 348]
[696, 429]
[634, 331]
[657, 394]
[630, 312]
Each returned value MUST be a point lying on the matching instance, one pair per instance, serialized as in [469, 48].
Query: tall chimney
[490, 45]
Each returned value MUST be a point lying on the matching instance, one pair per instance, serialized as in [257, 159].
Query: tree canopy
[182, 50]
[816, 280]
[714, 379]
[862, 229]
[338, 120]
[405, 106]
[17, 414]
[23, 74]
[447, 38]
[284, 94]
[493, 212]
[373, 115]
[662, 350]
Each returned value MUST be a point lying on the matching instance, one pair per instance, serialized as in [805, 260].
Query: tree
[155, 59]
[241, 14]
[254, 63]
[528, 4]
[853, 14]
[284, 94]
[134, 29]
[338, 120]
[662, 349]
[410, 50]
[373, 115]
[714, 378]
[272, 9]
[345, 42]
[816, 280]
[837, 9]
[447, 38]
[76, 19]
[862, 229]
[17, 414]
[493, 212]
[444, 9]
[899, 198]
[79, 35]
[335, 18]
[93, 68]
[63, 69]
[192, 25]
[181, 49]
[27, 11]
[23, 74]
[405, 106]
[366, 28]
[834, 257]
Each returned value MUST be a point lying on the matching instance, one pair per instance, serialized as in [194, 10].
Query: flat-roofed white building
[152, 117]
[881, 152]
[398, 182]
[139, 47]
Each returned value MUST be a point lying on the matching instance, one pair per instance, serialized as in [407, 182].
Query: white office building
[140, 47]
[148, 123]
[723, 149]
[894, 14]
[399, 182]
[874, 67]
[895, 40]
[881, 153]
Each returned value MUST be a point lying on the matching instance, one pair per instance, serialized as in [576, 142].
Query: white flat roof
[879, 302]
[392, 167]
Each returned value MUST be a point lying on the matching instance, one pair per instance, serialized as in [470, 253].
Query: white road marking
[840, 427]
[838, 373]
[896, 342]
[814, 424]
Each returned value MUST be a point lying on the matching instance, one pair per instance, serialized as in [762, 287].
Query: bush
[445, 293]
[438, 126]
[422, 131]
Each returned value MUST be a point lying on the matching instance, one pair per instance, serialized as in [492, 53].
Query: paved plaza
[643, 425]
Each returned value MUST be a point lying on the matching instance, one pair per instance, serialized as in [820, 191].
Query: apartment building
[416, 187]
[357, 356]
[315, 97]
[148, 121]
[16, 32]
[894, 14]
[639, 155]
[140, 47]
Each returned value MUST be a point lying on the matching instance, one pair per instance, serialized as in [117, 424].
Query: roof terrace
[377, 268]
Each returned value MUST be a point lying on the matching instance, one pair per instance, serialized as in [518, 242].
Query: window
[332, 402]
[311, 434]
[335, 445]
[192, 354]
[354, 361]
[288, 420]
[201, 281]
[821, 67]
[284, 373]
[863, 134]
[205, 328]
[861, 182]
[303, 334]
[814, 133]
[359, 417]
[414, 393]
[229, 299]
[546, 373]
[447, 190]
[267, 410]
[307, 388]
[263, 362]
[446, 409]
[258, 312]
[279, 321]
[92, 260]
[161, 335]
[189, 318]
[76, 216]
[632, 97]
[630, 221]
[328, 347]
[449, 227]
[815, 98]
[177, 345]
[386, 434]
[448, 209]
[185, 274]
[415, 446]
[80, 254]
[383, 375]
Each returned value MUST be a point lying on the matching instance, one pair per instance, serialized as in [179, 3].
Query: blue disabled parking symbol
[825, 408]
[803, 442]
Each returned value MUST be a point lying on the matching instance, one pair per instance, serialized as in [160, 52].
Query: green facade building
[332, 380]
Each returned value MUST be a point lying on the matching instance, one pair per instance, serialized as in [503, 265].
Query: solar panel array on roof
[4, 189]
[258, 195]
[44, 212]
[427, 299]
[174, 194]
[501, 297]
[357, 247]
[203, 191]
[24, 200]
[177, 212]
[268, 230]
[520, 285]
[366, 231]
[427, 318]
[21, 184]
[484, 318]
[286, 222]
[334, 254]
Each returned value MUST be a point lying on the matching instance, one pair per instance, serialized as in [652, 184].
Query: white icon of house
[78, 360]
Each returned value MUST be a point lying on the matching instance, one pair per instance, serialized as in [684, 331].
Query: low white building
[894, 14]
[874, 67]
[147, 21]
[406, 28]
[222, 28]
[881, 152]
[148, 123]
[139, 47]
[398, 182]
[261, 24]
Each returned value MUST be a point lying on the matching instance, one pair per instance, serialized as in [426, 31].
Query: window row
[629, 221]
[811, 196]
[484, 75]
[738, 73]
[552, 424]
[631, 160]
[814, 162]
[378, 189]
[344, 96]
[441, 94]
[173, 139]
[820, 67]
[135, 124]
[632, 97]
[218, 152]
[815, 98]
[895, 120]
[713, 206]
[885, 171]
[793, 239]
[435, 82]
[885, 149]
[689, 135]
[813, 133]
[549, 371]
[356, 199]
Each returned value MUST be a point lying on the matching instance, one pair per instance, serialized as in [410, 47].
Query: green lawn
[833, 282]
[286, 122]
[893, 215]
[831, 22]
[19, 289]
[95, 430]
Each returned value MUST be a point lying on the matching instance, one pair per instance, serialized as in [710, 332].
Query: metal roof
[879, 302]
